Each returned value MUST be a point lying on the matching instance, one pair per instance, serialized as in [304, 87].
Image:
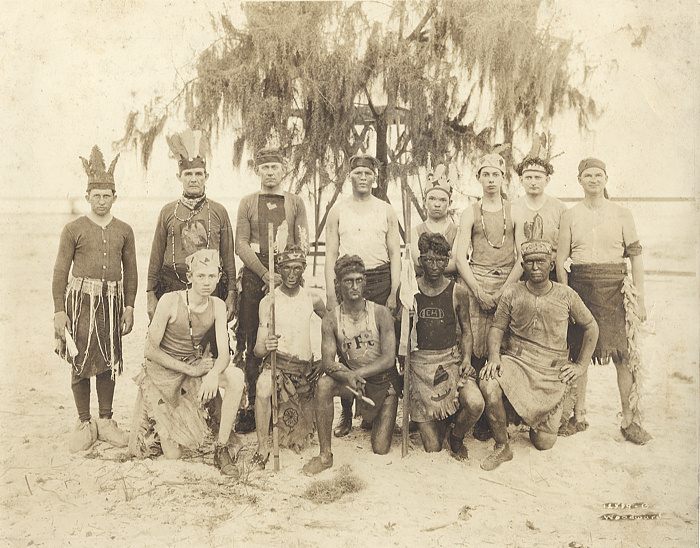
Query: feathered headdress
[95, 169]
[538, 159]
[439, 180]
[190, 149]
[535, 243]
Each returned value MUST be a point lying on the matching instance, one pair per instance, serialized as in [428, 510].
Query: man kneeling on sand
[363, 333]
[534, 373]
[179, 376]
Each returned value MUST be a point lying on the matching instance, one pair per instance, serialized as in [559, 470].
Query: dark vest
[437, 323]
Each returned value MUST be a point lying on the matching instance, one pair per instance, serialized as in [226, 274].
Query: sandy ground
[551, 499]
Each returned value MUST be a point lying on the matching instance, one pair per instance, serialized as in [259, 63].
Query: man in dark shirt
[94, 304]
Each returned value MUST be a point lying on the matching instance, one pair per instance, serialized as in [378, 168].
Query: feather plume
[282, 237]
[97, 161]
[113, 164]
[177, 146]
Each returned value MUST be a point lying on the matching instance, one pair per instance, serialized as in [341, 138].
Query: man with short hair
[180, 375]
[487, 228]
[270, 204]
[535, 174]
[94, 303]
[190, 223]
[534, 372]
[362, 332]
[438, 198]
[442, 382]
[598, 235]
[297, 371]
[365, 226]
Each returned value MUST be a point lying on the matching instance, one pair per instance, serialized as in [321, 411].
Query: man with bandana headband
[190, 223]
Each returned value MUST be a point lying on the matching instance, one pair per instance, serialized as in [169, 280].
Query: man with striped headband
[94, 303]
[297, 370]
[533, 373]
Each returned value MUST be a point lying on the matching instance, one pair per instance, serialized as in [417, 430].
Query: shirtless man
[363, 332]
[294, 307]
[365, 226]
[438, 198]
[442, 380]
[179, 376]
[598, 235]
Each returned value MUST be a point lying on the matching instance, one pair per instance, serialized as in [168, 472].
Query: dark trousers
[252, 292]
[105, 394]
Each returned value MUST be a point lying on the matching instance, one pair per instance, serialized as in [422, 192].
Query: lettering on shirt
[431, 313]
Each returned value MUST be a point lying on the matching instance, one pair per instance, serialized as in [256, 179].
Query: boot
[84, 435]
[345, 423]
[108, 430]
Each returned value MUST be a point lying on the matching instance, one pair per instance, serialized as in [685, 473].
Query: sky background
[73, 70]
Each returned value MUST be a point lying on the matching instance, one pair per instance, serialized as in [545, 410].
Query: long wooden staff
[407, 364]
[273, 354]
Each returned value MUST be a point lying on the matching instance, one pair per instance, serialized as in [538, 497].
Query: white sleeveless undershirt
[293, 323]
[362, 230]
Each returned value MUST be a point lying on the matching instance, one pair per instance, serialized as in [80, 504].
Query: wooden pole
[273, 354]
[407, 364]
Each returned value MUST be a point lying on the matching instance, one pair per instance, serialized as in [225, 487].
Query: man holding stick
[365, 226]
[363, 334]
[297, 371]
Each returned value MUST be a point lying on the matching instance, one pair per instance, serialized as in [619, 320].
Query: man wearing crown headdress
[188, 224]
[597, 237]
[287, 213]
[487, 228]
[365, 226]
[535, 172]
[533, 373]
[94, 302]
[180, 374]
[438, 197]
[297, 370]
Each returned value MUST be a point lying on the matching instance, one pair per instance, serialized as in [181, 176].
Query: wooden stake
[407, 364]
[273, 354]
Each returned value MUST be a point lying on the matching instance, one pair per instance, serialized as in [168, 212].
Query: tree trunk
[383, 157]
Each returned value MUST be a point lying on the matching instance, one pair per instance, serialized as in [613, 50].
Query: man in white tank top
[365, 226]
[294, 307]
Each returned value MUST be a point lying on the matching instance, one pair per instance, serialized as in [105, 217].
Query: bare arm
[263, 346]
[165, 311]
[572, 371]
[319, 306]
[564, 247]
[415, 253]
[461, 305]
[464, 236]
[332, 250]
[393, 243]
[492, 369]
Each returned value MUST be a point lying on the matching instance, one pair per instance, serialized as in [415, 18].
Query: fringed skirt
[95, 310]
[432, 385]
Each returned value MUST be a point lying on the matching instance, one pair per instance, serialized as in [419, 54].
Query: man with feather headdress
[533, 373]
[94, 303]
[188, 224]
[287, 213]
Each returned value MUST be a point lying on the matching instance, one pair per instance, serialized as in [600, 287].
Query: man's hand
[209, 388]
[352, 380]
[641, 309]
[331, 301]
[571, 371]
[391, 303]
[491, 370]
[466, 369]
[127, 320]
[231, 305]
[60, 324]
[486, 300]
[316, 371]
[266, 279]
[201, 367]
[151, 304]
[272, 342]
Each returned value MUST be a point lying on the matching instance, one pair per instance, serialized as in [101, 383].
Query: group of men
[493, 333]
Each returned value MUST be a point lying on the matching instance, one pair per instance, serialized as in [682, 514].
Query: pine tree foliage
[434, 82]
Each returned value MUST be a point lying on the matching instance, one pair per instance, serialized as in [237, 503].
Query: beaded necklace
[483, 226]
[196, 347]
[189, 218]
[343, 315]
